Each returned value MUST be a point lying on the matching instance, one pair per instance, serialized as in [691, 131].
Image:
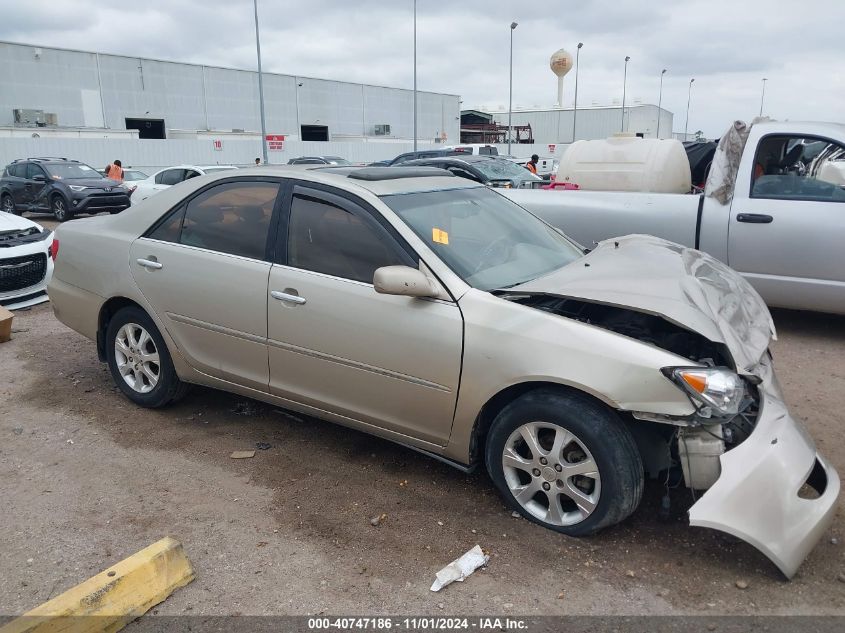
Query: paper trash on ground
[460, 568]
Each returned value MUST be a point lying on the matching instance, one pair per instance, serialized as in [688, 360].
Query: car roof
[380, 181]
[198, 167]
[467, 159]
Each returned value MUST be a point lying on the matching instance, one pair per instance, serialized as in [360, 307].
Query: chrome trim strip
[356, 365]
[254, 338]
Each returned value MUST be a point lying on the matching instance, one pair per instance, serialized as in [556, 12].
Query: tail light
[54, 249]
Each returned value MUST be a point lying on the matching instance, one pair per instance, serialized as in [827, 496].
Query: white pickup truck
[783, 228]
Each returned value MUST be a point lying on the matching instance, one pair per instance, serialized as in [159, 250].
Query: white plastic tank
[833, 171]
[625, 162]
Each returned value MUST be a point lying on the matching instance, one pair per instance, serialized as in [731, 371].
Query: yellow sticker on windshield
[439, 235]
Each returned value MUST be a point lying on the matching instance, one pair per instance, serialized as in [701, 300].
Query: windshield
[134, 175]
[71, 171]
[500, 168]
[487, 240]
[337, 160]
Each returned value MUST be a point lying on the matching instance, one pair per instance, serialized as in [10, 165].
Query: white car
[172, 176]
[26, 265]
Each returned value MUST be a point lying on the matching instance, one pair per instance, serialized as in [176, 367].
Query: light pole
[260, 86]
[624, 86]
[763, 96]
[660, 101]
[415, 75]
[575, 109]
[689, 96]
[510, 91]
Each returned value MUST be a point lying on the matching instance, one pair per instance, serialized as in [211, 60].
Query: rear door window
[799, 168]
[170, 176]
[34, 170]
[18, 170]
[232, 218]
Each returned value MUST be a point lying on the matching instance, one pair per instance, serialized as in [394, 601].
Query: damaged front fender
[756, 497]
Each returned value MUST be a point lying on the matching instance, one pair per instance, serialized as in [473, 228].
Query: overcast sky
[462, 47]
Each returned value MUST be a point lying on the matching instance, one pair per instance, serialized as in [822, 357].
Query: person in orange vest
[115, 171]
[531, 165]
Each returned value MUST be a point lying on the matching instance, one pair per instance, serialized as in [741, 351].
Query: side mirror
[39, 178]
[403, 280]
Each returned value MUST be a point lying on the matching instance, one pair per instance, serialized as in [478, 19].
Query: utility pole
[260, 86]
[510, 91]
[575, 109]
[624, 87]
[660, 101]
[415, 75]
[689, 96]
[763, 96]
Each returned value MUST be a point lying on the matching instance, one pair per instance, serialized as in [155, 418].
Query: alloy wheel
[59, 209]
[136, 357]
[9, 205]
[551, 473]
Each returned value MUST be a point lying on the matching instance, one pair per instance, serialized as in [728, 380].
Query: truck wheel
[565, 462]
[8, 205]
[139, 361]
[59, 207]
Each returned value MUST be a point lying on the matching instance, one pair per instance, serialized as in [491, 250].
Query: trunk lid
[683, 285]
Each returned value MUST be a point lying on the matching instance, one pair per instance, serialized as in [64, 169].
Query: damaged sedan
[434, 312]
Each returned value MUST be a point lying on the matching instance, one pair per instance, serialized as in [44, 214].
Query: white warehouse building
[59, 89]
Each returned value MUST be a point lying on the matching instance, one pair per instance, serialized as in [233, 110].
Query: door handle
[148, 263]
[287, 298]
[754, 218]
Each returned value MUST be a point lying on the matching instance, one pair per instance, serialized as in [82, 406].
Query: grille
[115, 199]
[22, 272]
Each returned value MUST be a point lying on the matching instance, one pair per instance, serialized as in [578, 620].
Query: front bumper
[756, 496]
[98, 202]
[29, 292]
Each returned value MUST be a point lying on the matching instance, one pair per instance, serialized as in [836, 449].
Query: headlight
[77, 188]
[716, 387]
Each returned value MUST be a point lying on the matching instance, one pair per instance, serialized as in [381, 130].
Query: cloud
[463, 47]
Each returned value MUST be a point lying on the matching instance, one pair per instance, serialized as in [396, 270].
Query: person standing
[531, 165]
[115, 171]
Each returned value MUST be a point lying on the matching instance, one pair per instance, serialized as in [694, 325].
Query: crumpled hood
[9, 222]
[683, 285]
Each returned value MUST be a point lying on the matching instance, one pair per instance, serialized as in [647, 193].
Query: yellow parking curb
[112, 598]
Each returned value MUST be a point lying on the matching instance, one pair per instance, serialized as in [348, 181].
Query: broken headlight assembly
[715, 391]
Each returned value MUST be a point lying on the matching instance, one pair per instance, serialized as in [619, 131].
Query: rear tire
[139, 360]
[60, 208]
[7, 204]
[584, 472]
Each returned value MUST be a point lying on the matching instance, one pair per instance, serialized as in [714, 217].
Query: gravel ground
[87, 478]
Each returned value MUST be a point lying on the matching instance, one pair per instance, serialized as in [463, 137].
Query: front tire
[59, 207]
[564, 461]
[139, 360]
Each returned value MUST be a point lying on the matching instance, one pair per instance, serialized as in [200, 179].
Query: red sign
[218, 145]
[551, 148]
[275, 142]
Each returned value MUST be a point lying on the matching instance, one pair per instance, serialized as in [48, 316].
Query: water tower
[560, 63]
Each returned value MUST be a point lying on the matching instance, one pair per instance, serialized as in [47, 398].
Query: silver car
[432, 311]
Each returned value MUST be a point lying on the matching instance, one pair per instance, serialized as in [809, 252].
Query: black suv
[59, 186]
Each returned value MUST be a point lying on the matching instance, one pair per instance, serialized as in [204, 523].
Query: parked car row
[59, 186]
